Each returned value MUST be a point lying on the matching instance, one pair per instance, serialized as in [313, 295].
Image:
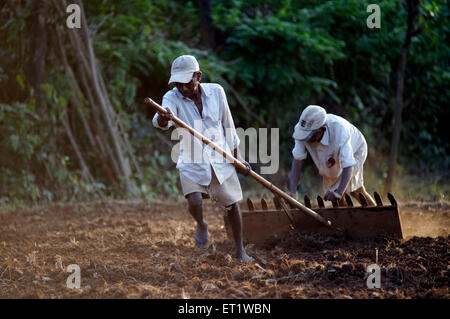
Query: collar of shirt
[326, 136]
[204, 91]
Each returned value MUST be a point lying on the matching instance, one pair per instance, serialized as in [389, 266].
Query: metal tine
[378, 199]
[286, 211]
[363, 200]
[334, 203]
[276, 201]
[320, 202]
[250, 205]
[348, 200]
[307, 201]
[264, 204]
[392, 199]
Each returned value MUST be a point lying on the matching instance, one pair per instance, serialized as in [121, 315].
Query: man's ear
[199, 76]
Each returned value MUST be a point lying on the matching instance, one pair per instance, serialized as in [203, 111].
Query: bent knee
[194, 200]
[231, 207]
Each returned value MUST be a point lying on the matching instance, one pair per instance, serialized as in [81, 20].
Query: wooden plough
[260, 223]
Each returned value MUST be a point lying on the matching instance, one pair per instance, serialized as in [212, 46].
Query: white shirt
[216, 123]
[341, 146]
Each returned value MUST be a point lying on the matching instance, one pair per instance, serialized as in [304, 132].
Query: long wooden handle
[239, 164]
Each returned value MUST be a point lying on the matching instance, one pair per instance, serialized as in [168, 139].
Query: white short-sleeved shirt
[341, 146]
[216, 123]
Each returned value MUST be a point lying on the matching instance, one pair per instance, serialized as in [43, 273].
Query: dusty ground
[145, 250]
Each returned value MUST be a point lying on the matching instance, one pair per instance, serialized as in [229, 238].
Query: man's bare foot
[201, 236]
[243, 257]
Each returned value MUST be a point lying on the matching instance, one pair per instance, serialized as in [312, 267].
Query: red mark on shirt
[330, 163]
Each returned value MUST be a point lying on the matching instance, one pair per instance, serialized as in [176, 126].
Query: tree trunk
[86, 80]
[78, 105]
[101, 139]
[208, 29]
[36, 64]
[105, 109]
[413, 11]
[85, 172]
[121, 129]
[130, 149]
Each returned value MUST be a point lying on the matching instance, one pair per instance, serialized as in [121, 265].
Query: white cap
[313, 117]
[183, 69]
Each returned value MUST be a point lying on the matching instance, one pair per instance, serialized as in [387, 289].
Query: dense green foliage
[272, 57]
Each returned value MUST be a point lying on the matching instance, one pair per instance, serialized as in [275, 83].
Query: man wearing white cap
[337, 148]
[203, 174]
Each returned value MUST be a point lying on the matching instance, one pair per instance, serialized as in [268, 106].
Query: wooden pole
[240, 165]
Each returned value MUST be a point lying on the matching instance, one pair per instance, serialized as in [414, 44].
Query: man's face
[317, 136]
[190, 88]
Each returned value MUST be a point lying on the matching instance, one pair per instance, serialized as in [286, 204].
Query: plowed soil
[146, 250]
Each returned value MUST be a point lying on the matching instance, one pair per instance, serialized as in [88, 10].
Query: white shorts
[226, 194]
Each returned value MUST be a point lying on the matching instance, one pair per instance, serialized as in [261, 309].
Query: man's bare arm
[345, 180]
[296, 170]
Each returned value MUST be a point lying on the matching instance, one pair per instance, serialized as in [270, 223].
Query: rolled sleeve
[299, 152]
[165, 104]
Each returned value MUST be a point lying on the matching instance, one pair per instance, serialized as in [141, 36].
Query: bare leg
[362, 190]
[196, 210]
[235, 219]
